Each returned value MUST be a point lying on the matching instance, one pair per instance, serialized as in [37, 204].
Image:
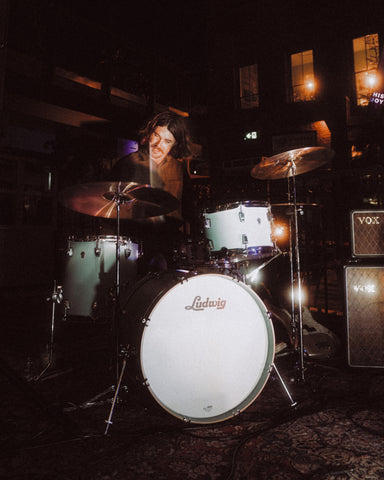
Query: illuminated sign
[377, 97]
[251, 136]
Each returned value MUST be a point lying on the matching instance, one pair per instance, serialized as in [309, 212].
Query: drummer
[165, 141]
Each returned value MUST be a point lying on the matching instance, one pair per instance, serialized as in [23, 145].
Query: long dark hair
[176, 125]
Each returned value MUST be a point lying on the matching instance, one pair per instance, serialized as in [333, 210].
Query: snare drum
[204, 343]
[90, 274]
[243, 229]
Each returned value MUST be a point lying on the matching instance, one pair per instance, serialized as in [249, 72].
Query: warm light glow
[280, 232]
[371, 80]
[310, 85]
[299, 295]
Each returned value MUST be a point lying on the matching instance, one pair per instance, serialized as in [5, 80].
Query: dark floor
[322, 419]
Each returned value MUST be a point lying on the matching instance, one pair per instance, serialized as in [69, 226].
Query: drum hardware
[125, 353]
[118, 200]
[205, 343]
[289, 165]
[55, 298]
[293, 402]
[249, 278]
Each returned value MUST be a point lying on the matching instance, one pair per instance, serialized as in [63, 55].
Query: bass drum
[204, 343]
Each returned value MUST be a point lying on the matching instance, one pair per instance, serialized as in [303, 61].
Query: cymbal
[291, 163]
[100, 199]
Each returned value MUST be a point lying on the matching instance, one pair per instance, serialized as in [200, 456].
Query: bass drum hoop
[169, 283]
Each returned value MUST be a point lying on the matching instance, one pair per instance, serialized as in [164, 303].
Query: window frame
[363, 94]
[253, 102]
[292, 98]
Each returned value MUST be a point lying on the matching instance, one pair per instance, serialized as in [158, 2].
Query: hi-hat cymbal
[136, 201]
[291, 163]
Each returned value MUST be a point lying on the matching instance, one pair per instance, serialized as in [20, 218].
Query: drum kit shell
[203, 340]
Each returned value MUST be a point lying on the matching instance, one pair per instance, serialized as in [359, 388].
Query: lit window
[366, 58]
[302, 76]
[249, 86]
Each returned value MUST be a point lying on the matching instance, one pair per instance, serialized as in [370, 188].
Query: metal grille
[367, 233]
[364, 289]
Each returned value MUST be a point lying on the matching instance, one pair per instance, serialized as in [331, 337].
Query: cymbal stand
[116, 313]
[117, 198]
[298, 273]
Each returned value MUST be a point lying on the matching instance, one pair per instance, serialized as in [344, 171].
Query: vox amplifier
[364, 301]
[367, 232]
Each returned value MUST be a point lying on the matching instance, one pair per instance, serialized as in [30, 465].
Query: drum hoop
[231, 205]
[95, 238]
[257, 389]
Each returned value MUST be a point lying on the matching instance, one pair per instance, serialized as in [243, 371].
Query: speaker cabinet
[367, 231]
[364, 297]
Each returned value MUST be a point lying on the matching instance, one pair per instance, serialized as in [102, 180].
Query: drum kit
[202, 340]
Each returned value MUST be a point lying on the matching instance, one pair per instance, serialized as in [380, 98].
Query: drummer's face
[160, 143]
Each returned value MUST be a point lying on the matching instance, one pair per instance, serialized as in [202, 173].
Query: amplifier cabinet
[364, 301]
[367, 232]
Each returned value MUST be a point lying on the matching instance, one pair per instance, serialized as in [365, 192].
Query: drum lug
[140, 252]
[69, 250]
[145, 321]
[145, 383]
[97, 248]
[235, 413]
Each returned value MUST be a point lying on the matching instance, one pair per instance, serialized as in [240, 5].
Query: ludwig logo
[199, 304]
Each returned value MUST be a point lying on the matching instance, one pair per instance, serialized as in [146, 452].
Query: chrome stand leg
[57, 297]
[293, 403]
[109, 420]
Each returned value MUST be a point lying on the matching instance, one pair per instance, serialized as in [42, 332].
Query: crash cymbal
[293, 162]
[136, 201]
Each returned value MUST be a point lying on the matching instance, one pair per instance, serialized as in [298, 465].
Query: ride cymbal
[292, 163]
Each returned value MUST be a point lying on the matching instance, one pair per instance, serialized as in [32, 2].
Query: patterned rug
[55, 428]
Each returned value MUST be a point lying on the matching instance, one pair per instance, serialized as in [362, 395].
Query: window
[366, 59]
[302, 77]
[249, 86]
